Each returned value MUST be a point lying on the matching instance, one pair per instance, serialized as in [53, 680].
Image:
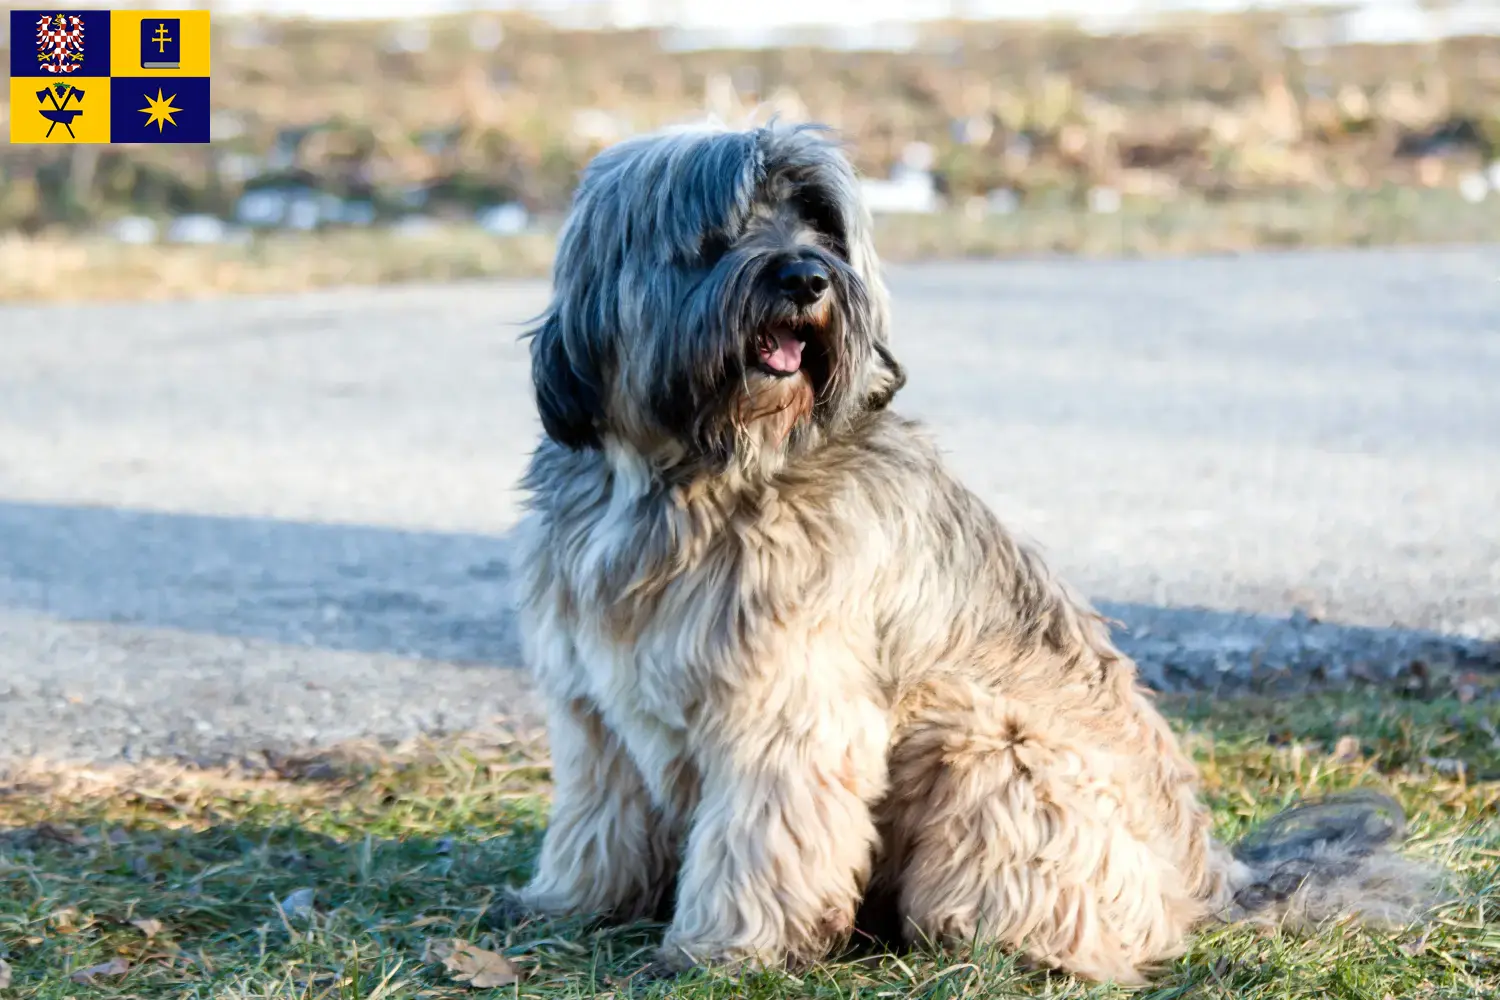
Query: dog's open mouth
[779, 349]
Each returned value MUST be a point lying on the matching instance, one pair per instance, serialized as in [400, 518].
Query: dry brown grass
[66, 268]
[62, 267]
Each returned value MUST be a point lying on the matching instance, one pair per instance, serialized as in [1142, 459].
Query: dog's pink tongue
[785, 355]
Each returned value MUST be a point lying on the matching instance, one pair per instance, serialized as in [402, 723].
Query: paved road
[275, 522]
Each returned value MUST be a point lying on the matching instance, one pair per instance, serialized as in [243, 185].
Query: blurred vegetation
[453, 113]
[1207, 133]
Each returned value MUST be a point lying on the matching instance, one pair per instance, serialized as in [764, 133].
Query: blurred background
[363, 141]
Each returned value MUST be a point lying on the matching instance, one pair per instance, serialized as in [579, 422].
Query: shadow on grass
[223, 910]
[252, 904]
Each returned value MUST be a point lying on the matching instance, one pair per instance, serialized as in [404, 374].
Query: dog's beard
[770, 409]
[792, 379]
[787, 371]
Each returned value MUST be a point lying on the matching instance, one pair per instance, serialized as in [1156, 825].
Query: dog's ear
[887, 379]
[886, 376]
[568, 395]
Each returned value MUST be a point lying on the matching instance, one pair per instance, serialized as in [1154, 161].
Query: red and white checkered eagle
[59, 42]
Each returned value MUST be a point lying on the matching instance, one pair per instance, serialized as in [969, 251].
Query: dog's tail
[1330, 858]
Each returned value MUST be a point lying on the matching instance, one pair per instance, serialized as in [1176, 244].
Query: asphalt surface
[256, 524]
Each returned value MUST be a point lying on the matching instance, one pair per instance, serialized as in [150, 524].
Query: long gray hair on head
[665, 286]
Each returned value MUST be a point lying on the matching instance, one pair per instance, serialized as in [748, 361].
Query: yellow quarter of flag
[125, 41]
[80, 113]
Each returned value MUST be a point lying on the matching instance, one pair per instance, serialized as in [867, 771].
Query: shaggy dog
[789, 661]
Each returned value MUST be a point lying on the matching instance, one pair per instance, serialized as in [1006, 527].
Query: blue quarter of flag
[41, 45]
[161, 42]
[158, 109]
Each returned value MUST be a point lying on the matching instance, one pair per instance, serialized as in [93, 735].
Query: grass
[63, 268]
[191, 883]
[74, 268]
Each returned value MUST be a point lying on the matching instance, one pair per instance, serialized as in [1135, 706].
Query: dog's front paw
[670, 961]
[665, 966]
[674, 958]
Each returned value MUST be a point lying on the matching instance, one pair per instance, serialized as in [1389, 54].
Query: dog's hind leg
[607, 851]
[1013, 825]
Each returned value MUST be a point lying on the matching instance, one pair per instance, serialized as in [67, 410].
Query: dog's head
[716, 299]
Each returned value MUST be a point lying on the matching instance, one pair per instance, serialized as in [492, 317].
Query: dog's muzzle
[803, 283]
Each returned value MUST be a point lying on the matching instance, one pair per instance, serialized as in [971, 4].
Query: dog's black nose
[803, 281]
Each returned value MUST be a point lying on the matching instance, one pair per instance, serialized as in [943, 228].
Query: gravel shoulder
[268, 523]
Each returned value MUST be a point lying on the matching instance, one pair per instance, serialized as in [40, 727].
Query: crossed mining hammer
[60, 113]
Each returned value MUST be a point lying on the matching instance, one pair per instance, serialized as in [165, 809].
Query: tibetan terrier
[790, 663]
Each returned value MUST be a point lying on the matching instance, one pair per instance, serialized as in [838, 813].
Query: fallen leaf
[470, 964]
[62, 920]
[148, 926]
[114, 967]
[298, 904]
[4, 974]
[1347, 748]
[437, 949]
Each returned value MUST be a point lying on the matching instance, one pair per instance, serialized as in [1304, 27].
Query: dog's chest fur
[650, 603]
[663, 594]
[860, 574]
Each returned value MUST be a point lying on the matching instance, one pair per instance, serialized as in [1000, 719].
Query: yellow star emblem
[160, 110]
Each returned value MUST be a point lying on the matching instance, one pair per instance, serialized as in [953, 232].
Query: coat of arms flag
[100, 76]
